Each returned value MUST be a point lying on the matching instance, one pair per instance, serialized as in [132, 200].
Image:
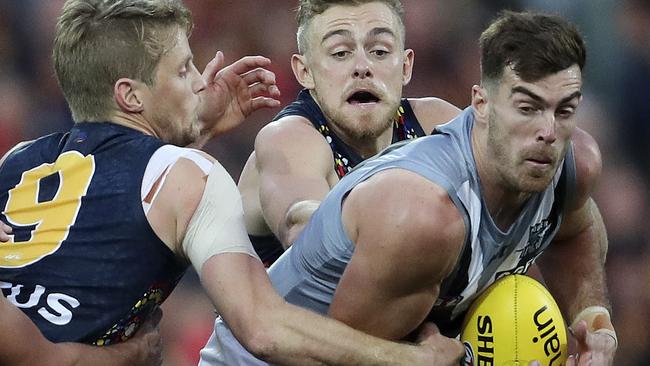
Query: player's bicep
[402, 253]
[294, 164]
[377, 297]
[279, 191]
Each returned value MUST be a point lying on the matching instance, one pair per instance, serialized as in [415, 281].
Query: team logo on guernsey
[46, 213]
[536, 235]
[468, 360]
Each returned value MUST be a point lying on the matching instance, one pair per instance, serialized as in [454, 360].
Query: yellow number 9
[53, 218]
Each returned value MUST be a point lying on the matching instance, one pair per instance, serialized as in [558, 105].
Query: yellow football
[513, 322]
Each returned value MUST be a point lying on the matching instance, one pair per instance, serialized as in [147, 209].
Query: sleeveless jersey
[405, 127]
[308, 273]
[84, 263]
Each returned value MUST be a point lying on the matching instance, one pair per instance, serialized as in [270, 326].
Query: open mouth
[363, 97]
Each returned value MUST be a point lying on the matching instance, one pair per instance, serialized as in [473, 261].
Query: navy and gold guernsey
[405, 127]
[84, 264]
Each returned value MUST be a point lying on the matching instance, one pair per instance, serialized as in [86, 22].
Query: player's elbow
[261, 343]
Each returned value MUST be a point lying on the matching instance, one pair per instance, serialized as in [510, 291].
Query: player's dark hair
[533, 44]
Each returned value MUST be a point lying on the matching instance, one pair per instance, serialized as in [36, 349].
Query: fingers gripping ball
[513, 322]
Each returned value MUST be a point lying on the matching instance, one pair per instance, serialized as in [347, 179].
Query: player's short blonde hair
[308, 9]
[98, 42]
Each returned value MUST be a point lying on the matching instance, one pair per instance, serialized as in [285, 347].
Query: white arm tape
[588, 311]
[217, 225]
[588, 315]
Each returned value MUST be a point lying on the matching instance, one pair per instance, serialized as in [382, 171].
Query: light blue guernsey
[307, 274]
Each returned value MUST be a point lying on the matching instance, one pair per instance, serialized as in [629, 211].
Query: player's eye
[527, 109]
[566, 112]
[340, 54]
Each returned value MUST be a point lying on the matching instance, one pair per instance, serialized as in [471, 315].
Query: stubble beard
[362, 127]
[185, 136]
[512, 175]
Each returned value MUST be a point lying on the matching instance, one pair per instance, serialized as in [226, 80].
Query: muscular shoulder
[180, 193]
[292, 140]
[405, 211]
[432, 112]
[588, 164]
[185, 183]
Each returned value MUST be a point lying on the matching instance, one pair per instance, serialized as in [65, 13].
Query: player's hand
[5, 231]
[595, 347]
[145, 348]
[295, 220]
[436, 349]
[235, 91]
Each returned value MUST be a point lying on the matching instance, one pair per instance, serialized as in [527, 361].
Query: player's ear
[128, 95]
[301, 71]
[480, 102]
[407, 66]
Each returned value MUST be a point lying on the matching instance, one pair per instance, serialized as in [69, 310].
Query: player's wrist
[598, 320]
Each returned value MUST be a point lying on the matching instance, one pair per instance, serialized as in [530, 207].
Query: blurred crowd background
[443, 34]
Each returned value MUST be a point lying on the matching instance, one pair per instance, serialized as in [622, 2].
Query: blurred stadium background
[443, 33]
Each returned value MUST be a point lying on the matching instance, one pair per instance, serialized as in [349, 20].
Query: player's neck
[504, 208]
[365, 146]
[134, 121]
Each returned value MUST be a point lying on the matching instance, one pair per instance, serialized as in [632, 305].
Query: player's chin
[191, 135]
[535, 181]
[534, 185]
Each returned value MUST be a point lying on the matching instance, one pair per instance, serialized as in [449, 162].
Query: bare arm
[239, 287]
[295, 173]
[402, 254]
[432, 112]
[5, 231]
[297, 214]
[284, 334]
[21, 343]
[574, 265]
[584, 284]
